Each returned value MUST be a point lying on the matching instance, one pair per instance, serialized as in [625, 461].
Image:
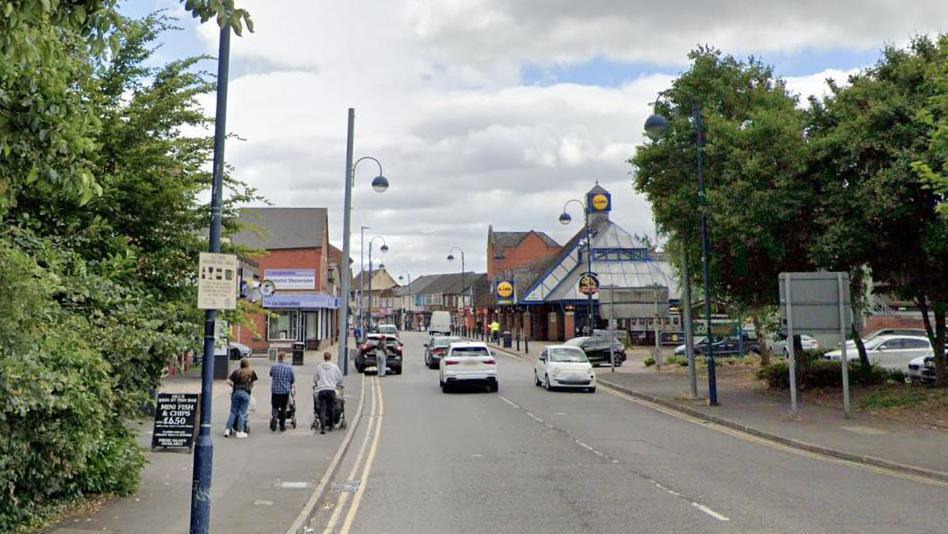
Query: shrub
[820, 373]
[650, 361]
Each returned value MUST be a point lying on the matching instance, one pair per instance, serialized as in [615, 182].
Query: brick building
[293, 246]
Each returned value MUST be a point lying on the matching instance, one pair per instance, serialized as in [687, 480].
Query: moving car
[564, 366]
[921, 370]
[597, 349]
[468, 363]
[436, 348]
[440, 323]
[366, 355]
[389, 329]
[889, 352]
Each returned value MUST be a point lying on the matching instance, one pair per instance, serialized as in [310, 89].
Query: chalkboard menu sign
[176, 416]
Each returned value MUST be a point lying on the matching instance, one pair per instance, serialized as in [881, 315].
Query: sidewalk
[259, 484]
[861, 438]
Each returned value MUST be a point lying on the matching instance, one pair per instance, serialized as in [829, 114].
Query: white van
[440, 323]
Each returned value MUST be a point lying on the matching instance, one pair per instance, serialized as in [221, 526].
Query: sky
[493, 112]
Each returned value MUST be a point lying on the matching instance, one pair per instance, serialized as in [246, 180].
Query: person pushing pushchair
[326, 379]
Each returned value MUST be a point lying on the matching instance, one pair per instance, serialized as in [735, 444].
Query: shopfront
[307, 317]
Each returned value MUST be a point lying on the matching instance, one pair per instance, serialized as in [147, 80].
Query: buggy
[338, 412]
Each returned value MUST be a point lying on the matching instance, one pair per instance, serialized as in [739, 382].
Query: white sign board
[633, 302]
[217, 281]
[291, 278]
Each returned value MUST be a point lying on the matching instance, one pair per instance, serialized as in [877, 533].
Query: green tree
[878, 157]
[759, 200]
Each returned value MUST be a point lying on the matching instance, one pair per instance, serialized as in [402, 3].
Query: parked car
[237, 351]
[440, 323]
[564, 366]
[722, 346]
[436, 348]
[890, 352]
[366, 356]
[468, 363]
[921, 370]
[779, 345]
[915, 332]
[388, 329]
[597, 349]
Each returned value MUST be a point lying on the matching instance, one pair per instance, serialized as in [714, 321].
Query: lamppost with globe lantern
[566, 218]
[407, 321]
[383, 248]
[463, 286]
[655, 127]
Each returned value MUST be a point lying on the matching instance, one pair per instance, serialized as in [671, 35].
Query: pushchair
[338, 412]
[290, 412]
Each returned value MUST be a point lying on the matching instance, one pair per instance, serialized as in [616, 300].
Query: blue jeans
[239, 405]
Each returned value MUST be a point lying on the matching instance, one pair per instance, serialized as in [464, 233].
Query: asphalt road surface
[526, 460]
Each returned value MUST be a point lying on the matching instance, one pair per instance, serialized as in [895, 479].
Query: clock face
[505, 290]
[600, 202]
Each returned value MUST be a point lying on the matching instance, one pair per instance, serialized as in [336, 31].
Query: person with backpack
[283, 380]
[326, 379]
[242, 381]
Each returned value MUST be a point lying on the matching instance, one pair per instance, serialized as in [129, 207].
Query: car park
[889, 352]
[436, 348]
[468, 363]
[564, 366]
[597, 349]
[366, 356]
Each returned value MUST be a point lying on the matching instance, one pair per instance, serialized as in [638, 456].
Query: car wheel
[493, 388]
[591, 390]
[546, 383]
[536, 380]
[445, 388]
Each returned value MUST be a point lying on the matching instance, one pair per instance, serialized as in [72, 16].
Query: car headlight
[556, 371]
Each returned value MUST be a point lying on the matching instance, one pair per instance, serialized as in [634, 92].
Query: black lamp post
[565, 218]
[655, 127]
[383, 248]
[463, 285]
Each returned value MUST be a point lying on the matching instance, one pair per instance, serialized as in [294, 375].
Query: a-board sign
[176, 416]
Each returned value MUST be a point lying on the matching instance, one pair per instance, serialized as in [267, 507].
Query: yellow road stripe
[350, 517]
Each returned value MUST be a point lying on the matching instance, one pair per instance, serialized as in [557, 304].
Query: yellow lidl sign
[505, 290]
[600, 202]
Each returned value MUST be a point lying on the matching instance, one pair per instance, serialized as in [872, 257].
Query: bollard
[526, 346]
[518, 342]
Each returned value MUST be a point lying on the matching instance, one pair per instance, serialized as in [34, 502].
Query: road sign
[588, 284]
[217, 281]
[175, 421]
[634, 302]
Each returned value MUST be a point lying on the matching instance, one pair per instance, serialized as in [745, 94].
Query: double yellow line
[363, 460]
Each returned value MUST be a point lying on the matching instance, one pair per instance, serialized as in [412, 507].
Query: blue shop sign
[301, 300]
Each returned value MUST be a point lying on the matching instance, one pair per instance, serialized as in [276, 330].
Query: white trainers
[227, 433]
[241, 434]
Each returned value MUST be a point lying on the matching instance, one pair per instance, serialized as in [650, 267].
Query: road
[527, 460]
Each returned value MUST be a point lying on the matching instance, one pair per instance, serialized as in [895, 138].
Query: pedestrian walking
[327, 378]
[495, 331]
[283, 380]
[241, 380]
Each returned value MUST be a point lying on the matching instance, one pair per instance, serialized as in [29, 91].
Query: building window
[282, 325]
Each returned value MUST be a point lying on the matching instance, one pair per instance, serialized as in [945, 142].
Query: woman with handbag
[242, 381]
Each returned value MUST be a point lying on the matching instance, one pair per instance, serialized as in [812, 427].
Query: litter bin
[298, 348]
[221, 366]
[508, 339]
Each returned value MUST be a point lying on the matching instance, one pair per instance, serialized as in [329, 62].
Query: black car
[436, 347]
[366, 356]
[597, 349]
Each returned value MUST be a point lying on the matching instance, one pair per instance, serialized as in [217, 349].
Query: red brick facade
[531, 249]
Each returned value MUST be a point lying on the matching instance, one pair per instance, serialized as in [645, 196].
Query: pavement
[529, 460]
[861, 438]
[259, 484]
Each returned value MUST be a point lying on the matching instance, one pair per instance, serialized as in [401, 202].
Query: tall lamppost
[410, 303]
[380, 185]
[565, 218]
[204, 447]
[362, 230]
[383, 248]
[655, 127]
[463, 285]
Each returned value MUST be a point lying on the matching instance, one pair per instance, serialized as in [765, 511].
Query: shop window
[282, 325]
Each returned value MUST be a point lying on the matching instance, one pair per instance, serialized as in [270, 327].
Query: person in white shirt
[327, 378]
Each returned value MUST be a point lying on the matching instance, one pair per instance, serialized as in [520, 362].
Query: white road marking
[535, 418]
[294, 485]
[709, 511]
[260, 502]
[508, 401]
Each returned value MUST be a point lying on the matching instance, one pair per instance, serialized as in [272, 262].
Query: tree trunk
[764, 346]
[861, 348]
[941, 372]
[922, 304]
[858, 297]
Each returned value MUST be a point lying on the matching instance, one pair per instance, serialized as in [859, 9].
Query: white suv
[468, 362]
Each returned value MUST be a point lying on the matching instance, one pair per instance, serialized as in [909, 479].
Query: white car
[564, 366]
[779, 346]
[921, 370]
[468, 363]
[889, 352]
[915, 332]
[388, 329]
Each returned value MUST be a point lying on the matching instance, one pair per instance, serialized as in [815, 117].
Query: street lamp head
[381, 266]
[565, 218]
[450, 257]
[384, 248]
[380, 184]
[656, 126]
[400, 278]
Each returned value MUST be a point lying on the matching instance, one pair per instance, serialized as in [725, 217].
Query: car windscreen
[470, 351]
[388, 330]
[445, 341]
[567, 354]
[576, 341]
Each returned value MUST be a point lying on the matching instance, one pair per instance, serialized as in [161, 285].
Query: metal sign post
[791, 348]
[844, 359]
[612, 323]
[658, 337]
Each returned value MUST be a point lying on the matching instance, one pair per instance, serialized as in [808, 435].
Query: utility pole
[343, 356]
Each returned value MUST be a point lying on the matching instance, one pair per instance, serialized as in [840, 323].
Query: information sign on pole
[634, 303]
[217, 281]
[175, 421]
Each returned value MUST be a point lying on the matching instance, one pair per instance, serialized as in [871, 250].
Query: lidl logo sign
[505, 289]
[588, 284]
[600, 202]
